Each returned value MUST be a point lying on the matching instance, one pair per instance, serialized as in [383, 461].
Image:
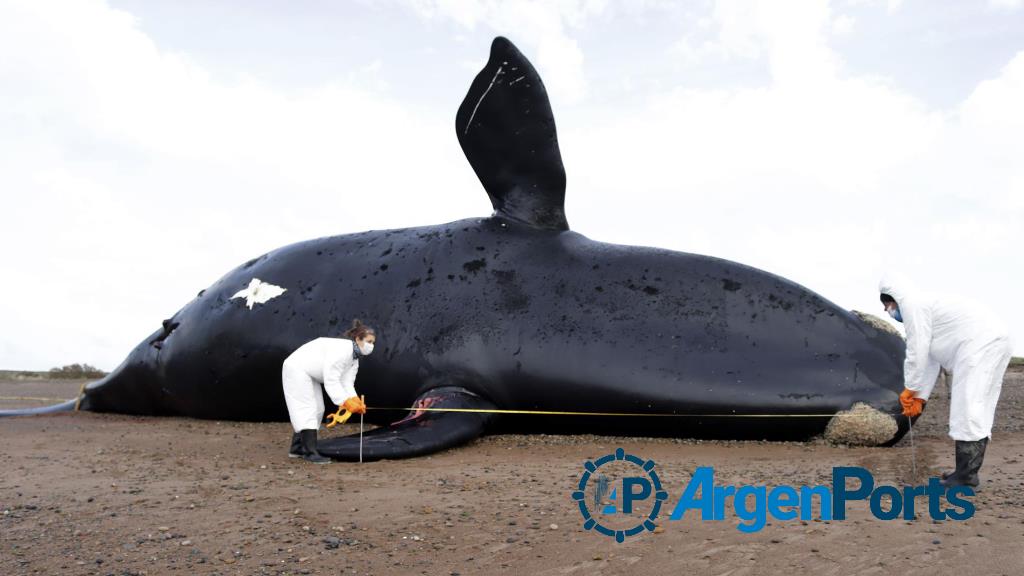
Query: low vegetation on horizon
[76, 371]
[69, 372]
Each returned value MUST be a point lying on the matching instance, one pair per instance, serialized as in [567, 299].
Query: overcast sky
[146, 148]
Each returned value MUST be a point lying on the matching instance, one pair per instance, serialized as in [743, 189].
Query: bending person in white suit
[966, 339]
[332, 362]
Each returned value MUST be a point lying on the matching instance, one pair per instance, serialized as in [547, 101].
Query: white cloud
[1006, 4]
[843, 25]
[994, 104]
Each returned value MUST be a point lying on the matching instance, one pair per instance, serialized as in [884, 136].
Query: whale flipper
[420, 433]
[507, 131]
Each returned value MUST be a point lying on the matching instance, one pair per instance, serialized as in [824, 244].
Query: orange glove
[354, 405]
[912, 406]
[906, 398]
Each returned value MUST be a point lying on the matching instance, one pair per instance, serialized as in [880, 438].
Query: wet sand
[84, 493]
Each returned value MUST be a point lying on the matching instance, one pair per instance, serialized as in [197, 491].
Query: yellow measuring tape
[342, 416]
[339, 417]
[568, 413]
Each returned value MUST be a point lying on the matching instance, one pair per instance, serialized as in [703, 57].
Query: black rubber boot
[959, 461]
[296, 450]
[308, 438]
[969, 457]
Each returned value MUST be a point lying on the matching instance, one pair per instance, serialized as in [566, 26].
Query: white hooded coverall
[324, 360]
[961, 336]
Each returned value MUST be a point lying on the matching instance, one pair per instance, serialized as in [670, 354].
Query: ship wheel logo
[621, 512]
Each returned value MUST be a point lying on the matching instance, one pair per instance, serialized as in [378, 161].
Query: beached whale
[514, 311]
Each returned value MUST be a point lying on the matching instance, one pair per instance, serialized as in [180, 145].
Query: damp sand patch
[861, 425]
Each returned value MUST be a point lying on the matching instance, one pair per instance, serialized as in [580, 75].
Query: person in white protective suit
[966, 339]
[332, 362]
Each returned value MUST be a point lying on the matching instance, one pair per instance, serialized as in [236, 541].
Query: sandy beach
[86, 493]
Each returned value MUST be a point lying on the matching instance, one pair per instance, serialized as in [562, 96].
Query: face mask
[895, 313]
[366, 349]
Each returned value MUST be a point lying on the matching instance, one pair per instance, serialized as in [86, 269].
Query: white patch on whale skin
[259, 292]
[482, 96]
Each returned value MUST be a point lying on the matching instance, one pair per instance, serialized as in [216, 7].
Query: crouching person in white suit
[967, 339]
[332, 362]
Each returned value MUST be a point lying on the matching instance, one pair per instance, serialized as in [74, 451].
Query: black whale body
[528, 319]
[516, 312]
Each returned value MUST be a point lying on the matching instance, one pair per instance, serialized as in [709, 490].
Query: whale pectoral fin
[422, 432]
[507, 131]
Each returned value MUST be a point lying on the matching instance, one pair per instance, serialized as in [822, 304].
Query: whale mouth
[861, 425]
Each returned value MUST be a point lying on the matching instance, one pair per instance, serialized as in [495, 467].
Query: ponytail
[358, 330]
